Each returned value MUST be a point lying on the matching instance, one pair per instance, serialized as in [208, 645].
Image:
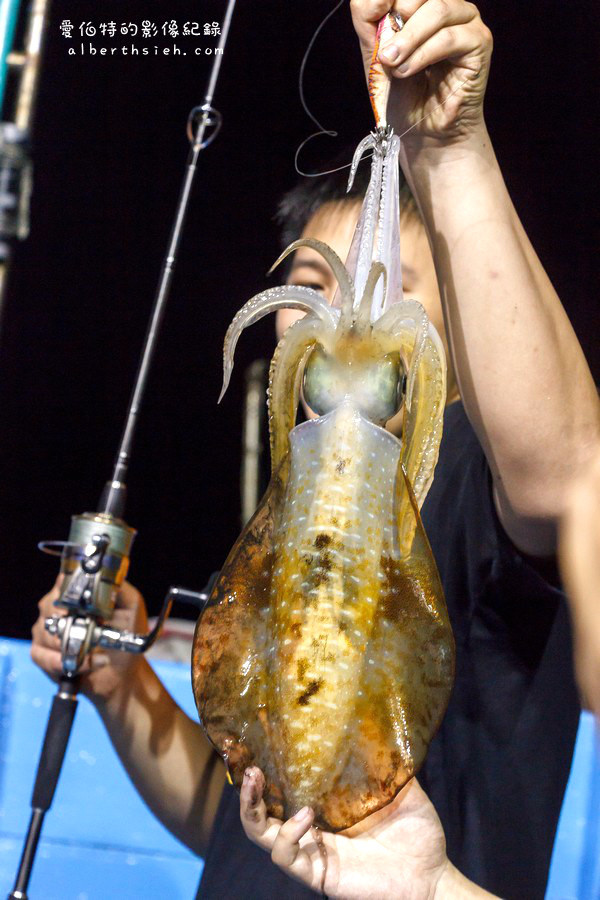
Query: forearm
[521, 372]
[454, 886]
[166, 755]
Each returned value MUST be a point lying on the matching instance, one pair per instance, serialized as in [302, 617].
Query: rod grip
[55, 743]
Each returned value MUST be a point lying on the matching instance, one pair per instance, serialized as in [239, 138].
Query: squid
[325, 654]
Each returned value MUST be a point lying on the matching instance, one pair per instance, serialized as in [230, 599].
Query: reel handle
[79, 634]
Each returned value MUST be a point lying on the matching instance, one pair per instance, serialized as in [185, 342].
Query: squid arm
[408, 327]
[340, 271]
[286, 297]
[284, 382]
[377, 236]
[376, 272]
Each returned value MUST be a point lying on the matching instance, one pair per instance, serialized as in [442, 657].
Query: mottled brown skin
[231, 672]
[227, 631]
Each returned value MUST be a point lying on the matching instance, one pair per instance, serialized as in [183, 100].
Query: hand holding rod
[78, 634]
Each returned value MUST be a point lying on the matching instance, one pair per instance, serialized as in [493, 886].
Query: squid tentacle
[286, 297]
[388, 237]
[366, 144]
[361, 251]
[341, 273]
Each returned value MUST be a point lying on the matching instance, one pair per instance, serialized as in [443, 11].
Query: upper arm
[533, 537]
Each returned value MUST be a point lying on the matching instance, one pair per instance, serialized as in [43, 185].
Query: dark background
[109, 152]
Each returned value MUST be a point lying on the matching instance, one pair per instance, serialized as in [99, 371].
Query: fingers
[41, 638]
[47, 608]
[47, 659]
[427, 21]
[374, 10]
[365, 16]
[287, 843]
[438, 30]
[454, 43]
[45, 647]
[130, 609]
[370, 11]
[261, 829]
[281, 841]
[46, 604]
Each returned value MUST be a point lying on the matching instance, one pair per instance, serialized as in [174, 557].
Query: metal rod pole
[19, 892]
[252, 447]
[9, 13]
[113, 498]
[15, 164]
[58, 730]
[34, 44]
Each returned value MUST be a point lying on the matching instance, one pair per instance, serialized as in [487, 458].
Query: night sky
[109, 153]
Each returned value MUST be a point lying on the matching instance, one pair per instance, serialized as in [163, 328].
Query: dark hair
[299, 205]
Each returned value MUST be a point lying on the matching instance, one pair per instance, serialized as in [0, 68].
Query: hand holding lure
[325, 655]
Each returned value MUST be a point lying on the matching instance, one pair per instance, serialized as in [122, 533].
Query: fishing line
[328, 132]
[439, 106]
[368, 155]
[331, 132]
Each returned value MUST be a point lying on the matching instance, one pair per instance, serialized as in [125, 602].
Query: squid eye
[323, 383]
[381, 389]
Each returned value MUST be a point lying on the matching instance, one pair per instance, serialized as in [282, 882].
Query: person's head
[320, 208]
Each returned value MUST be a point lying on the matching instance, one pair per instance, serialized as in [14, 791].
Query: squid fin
[230, 656]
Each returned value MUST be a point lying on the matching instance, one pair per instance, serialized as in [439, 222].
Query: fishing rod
[95, 558]
[16, 168]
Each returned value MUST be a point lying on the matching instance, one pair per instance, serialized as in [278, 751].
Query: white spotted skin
[336, 525]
